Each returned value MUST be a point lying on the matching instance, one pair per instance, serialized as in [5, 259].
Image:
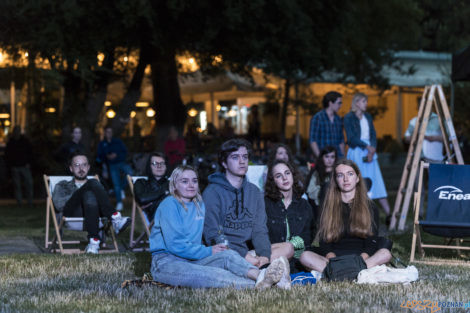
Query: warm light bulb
[192, 112]
[110, 113]
[150, 112]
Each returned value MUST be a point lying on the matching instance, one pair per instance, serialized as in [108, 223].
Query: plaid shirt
[325, 133]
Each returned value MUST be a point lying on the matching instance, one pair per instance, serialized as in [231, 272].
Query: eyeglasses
[79, 165]
[157, 164]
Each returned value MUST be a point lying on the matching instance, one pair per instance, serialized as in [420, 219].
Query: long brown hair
[272, 191]
[331, 220]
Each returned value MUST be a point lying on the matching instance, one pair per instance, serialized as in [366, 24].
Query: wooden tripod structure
[432, 95]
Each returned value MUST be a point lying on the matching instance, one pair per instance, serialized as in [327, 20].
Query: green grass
[81, 283]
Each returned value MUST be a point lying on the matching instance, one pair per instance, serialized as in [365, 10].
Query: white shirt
[431, 149]
[365, 133]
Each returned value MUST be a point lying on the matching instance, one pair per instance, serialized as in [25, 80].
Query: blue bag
[303, 278]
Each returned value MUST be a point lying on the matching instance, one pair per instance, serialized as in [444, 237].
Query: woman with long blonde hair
[178, 256]
[348, 223]
[362, 142]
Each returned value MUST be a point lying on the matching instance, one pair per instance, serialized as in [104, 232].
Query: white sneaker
[93, 247]
[272, 275]
[285, 282]
[118, 206]
[119, 222]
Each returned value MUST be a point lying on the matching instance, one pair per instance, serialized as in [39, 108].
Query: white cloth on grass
[384, 274]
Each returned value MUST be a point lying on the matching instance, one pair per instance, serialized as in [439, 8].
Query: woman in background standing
[362, 143]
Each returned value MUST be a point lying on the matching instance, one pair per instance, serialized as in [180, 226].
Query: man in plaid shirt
[326, 127]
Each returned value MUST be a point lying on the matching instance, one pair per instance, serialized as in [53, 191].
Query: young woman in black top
[289, 215]
[151, 191]
[349, 222]
[318, 180]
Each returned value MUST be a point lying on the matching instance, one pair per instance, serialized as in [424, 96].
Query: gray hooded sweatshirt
[237, 214]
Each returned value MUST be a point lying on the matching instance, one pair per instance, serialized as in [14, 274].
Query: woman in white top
[362, 143]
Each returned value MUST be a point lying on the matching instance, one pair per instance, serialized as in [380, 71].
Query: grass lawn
[81, 283]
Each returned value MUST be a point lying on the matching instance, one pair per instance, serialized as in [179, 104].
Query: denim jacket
[298, 214]
[352, 126]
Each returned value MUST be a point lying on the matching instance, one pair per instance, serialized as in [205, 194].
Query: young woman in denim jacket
[362, 142]
[289, 215]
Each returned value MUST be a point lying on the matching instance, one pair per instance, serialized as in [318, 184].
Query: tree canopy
[293, 39]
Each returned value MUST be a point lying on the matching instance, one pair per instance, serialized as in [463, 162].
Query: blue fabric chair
[448, 206]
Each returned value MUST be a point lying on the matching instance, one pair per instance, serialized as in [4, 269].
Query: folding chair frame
[141, 241]
[417, 239]
[57, 240]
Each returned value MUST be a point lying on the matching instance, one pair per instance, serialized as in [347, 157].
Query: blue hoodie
[237, 214]
[117, 146]
[178, 231]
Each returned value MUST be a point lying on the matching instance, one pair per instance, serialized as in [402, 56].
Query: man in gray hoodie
[235, 211]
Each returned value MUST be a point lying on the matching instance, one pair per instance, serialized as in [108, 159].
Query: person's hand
[111, 156]
[371, 149]
[218, 248]
[330, 255]
[370, 156]
[262, 260]
[252, 260]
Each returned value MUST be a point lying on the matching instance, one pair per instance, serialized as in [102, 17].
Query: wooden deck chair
[71, 223]
[138, 242]
[448, 209]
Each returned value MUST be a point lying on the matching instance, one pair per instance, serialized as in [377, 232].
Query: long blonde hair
[358, 96]
[197, 200]
[331, 220]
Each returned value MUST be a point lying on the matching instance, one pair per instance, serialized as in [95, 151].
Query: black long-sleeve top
[349, 244]
[299, 217]
[150, 192]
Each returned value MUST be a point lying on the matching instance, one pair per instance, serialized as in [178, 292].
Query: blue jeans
[223, 269]
[119, 180]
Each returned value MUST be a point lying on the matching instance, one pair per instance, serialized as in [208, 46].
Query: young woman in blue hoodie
[178, 256]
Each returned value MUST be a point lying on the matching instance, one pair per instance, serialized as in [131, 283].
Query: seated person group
[233, 235]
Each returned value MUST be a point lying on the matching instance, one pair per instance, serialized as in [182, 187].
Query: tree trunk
[170, 110]
[94, 103]
[285, 104]
[73, 102]
[133, 92]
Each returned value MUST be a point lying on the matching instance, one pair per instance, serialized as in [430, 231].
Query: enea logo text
[451, 193]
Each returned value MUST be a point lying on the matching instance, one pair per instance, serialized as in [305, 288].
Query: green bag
[345, 267]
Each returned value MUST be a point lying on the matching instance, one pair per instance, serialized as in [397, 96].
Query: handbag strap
[397, 260]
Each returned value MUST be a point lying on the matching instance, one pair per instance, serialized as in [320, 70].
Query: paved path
[18, 245]
[23, 244]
